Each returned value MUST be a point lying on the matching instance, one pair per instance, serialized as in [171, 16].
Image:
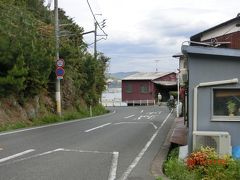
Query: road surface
[119, 145]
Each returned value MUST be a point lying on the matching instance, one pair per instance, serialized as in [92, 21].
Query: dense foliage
[203, 164]
[27, 55]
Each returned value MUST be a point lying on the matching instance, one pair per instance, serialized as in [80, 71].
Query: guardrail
[141, 102]
[119, 102]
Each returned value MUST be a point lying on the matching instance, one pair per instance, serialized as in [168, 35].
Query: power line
[147, 57]
[96, 19]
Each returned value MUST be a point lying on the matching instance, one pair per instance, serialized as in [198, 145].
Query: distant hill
[121, 75]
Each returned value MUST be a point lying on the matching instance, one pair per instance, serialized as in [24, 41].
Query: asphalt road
[120, 145]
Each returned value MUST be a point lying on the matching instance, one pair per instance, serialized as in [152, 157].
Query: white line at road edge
[140, 155]
[97, 127]
[55, 124]
[16, 155]
[113, 170]
[129, 116]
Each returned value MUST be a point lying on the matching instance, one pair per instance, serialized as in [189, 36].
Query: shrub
[204, 164]
[211, 166]
[176, 169]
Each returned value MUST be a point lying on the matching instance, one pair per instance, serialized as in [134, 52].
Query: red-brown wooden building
[142, 88]
[224, 35]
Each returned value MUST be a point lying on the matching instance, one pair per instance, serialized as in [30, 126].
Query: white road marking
[150, 117]
[16, 155]
[89, 130]
[56, 124]
[140, 155]
[145, 116]
[83, 151]
[56, 150]
[48, 152]
[129, 116]
[34, 156]
[141, 111]
[140, 117]
[113, 170]
[1, 149]
[154, 126]
[126, 123]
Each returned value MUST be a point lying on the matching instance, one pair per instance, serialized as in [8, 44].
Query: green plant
[176, 169]
[231, 106]
[203, 164]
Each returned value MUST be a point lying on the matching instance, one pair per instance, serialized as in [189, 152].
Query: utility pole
[58, 87]
[95, 39]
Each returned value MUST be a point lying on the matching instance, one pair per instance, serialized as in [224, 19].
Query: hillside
[121, 75]
[27, 62]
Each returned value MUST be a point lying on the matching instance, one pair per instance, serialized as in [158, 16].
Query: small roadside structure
[143, 88]
[213, 97]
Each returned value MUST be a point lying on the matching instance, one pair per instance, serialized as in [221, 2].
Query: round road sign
[60, 63]
[60, 71]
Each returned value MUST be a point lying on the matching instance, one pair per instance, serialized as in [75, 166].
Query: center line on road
[129, 116]
[16, 155]
[141, 111]
[97, 127]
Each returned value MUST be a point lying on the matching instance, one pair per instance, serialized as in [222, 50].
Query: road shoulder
[158, 161]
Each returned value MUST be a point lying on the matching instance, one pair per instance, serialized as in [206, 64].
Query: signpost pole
[58, 87]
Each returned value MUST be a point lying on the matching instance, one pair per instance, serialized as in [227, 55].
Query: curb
[158, 161]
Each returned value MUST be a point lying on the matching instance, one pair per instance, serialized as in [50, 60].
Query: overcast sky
[143, 31]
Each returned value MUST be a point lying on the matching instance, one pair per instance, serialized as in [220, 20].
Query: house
[209, 74]
[224, 35]
[213, 85]
[142, 88]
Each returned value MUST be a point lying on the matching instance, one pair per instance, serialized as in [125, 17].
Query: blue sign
[60, 72]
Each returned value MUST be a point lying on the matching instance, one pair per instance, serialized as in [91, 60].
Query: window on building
[144, 89]
[128, 88]
[226, 102]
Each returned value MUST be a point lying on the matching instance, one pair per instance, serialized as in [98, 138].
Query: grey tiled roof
[146, 75]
